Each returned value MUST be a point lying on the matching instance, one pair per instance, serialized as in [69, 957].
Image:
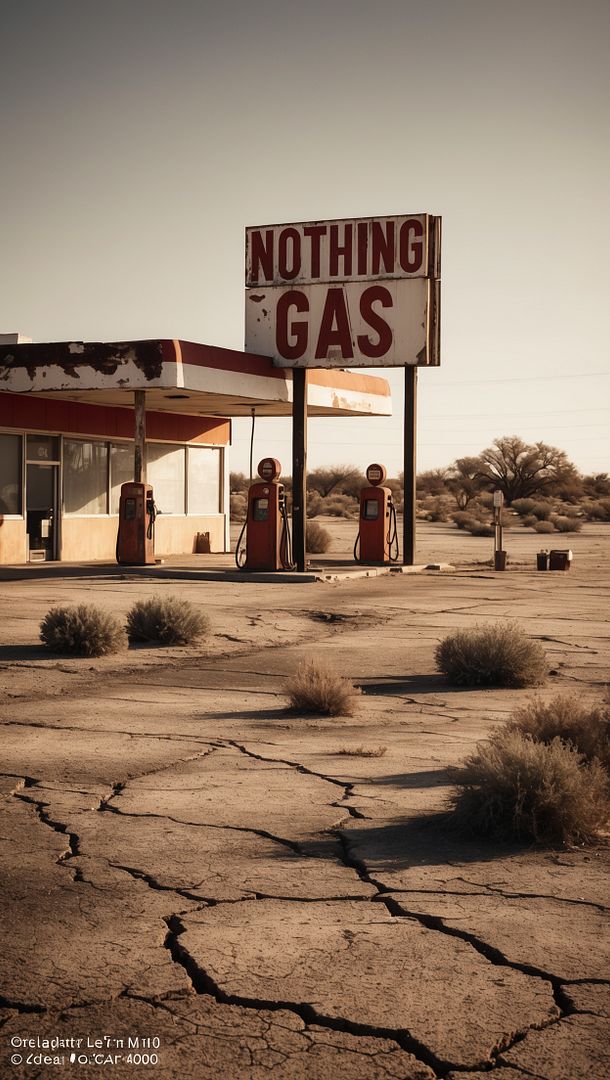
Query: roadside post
[499, 553]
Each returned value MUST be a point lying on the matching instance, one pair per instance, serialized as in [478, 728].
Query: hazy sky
[140, 137]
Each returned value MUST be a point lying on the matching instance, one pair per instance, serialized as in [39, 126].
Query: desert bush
[542, 510]
[493, 654]
[544, 527]
[587, 728]
[314, 504]
[437, 507]
[316, 688]
[239, 506]
[565, 524]
[463, 519]
[596, 509]
[362, 751]
[82, 630]
[238, 483]
[529, 521]
[523, 506]
[516, 788]
[318, 538]
[480, 528]
[596, 485]
[339, 506]
[166, 620]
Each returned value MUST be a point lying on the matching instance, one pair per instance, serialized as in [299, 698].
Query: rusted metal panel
[65, 362]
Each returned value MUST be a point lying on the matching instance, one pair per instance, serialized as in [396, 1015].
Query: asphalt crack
[498, 959]
[72, 850]
[203, 984]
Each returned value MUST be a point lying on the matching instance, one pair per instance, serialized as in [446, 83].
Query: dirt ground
[198, 883]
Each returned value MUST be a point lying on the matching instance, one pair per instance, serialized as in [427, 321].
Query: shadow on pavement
[427, 840]
[31, 652]
[412, 684]
[426, 778]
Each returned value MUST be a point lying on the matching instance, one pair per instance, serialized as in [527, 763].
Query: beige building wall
[12, 540]
[89, 538]
[177, 535]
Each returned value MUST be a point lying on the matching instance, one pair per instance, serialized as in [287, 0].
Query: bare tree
[431, 482]
[520, 470]
[463, 480]
[338, 478]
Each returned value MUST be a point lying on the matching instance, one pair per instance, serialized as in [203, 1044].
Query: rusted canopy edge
[181, 376]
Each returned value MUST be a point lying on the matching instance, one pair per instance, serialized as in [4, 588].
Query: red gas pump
[266, 527]
[135, 545]
[377, 540]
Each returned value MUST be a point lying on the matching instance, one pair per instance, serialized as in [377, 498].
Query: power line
[476, 416]
[527, 378]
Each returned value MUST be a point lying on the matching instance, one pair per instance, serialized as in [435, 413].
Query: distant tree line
[519, 469]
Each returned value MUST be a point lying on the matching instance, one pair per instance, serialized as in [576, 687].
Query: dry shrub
[339, 506]
[318, 538]
[238, 507]
[523, 506]
[596, 509]
[463, 519]
[542, 510]
[437, 507]
[529, 521]
[565, 523]
[82, 630]
[316, 688]
[480, 528]
[494, 654]
[515, 788]
[544, 527]
[362, 751]
[586, 728]
[314, 504]
[166, 620]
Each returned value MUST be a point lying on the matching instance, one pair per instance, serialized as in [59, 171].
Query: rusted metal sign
[351, 293]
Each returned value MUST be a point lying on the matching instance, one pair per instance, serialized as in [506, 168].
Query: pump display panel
[261, 509]
[371, 510]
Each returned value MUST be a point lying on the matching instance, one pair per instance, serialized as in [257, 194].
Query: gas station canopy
[182, 377]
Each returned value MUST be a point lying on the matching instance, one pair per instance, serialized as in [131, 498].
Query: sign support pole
[299, 466]
[139, 462]
[410, 465]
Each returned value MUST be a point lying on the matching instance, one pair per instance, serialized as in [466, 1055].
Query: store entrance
[41, 512]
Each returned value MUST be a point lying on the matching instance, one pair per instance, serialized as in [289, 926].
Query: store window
[121, 471]
[166, 472]
[10, 474]
[85, 477]
[204, 480]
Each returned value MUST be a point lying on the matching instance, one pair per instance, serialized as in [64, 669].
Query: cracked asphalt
[274, 895]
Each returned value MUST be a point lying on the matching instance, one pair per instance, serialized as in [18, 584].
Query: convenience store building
[67, 437]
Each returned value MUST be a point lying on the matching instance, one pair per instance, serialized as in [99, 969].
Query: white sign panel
[349, 324]
[351, 293]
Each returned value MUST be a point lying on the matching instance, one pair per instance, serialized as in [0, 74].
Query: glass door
[42, 483]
